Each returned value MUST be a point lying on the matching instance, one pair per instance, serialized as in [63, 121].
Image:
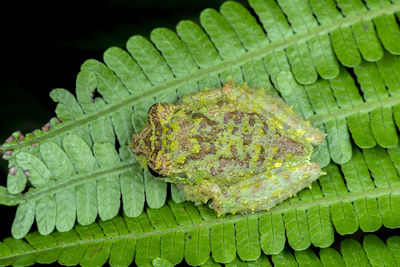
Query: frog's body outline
[238, 148]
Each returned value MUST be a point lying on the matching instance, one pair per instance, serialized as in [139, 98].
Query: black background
[43, 45]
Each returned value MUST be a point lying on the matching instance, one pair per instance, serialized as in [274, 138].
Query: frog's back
[225, 139]
[234, 145]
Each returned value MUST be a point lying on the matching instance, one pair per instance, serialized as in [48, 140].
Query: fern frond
[137, 78]
[123, 240]
[371, 252]
[76, 174]
[78, 183]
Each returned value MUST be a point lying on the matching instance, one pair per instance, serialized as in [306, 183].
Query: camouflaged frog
[234, 147]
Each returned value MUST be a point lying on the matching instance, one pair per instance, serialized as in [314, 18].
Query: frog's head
[147, 144]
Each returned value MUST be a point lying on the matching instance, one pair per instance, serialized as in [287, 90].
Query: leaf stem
[347, 21]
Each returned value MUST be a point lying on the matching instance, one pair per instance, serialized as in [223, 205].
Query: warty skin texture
[238, 149]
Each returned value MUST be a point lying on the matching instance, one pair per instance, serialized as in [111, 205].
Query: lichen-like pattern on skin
[234, 147]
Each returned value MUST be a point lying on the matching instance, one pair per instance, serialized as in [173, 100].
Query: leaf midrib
[339, 113]
[216, 68]
[365, 107]
[326, 201]
[80, 179]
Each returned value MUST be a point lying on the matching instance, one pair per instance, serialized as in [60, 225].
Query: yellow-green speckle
[235, 148]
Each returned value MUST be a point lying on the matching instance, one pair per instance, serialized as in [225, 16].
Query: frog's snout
[141, 142]
[135, 144]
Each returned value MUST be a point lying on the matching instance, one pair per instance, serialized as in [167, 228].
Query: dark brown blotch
[141, 141]
[147, 141]
[222, 103]
[246, 160]
[233, 161]
[251, 121]
[247, 139]
[152, 159]
[251, 118]
[292, 146]
[235, 130]
[213, 171]
[235, 116]
[233, 150]
[202, 153]
[265, 127]
[287, 145]
[208, 121]
[212, 149]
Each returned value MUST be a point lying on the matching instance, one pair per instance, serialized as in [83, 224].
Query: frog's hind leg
[199, 192]
[277, 107]
[264, 191]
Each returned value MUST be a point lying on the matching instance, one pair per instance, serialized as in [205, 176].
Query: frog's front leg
[199, 192]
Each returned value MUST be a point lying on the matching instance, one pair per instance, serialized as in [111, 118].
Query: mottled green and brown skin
[236, 147]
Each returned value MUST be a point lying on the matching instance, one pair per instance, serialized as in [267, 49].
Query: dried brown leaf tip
[46, 127]
[20, 136]
[12, 171]
[16, 136]
[10, 139]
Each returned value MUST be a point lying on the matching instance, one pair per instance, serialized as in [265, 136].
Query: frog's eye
[152, 107]
[161, 112]
[154, 173]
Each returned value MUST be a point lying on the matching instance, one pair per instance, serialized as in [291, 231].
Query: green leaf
[62, 167]
[296, 225]
[159, 262]
[272, 233]
[357, 178]
[284, 258]
[319, 221]
[108, 192]
[348, 97]
[330, 257]
[155, 191]
[353, 254]
[223, 247]
[23, 220]
[364, 33]
[382, 123]
[38, 173]
[377, 252]
[393, 243]
[247, 239]
[119, 239]
[132, 190]
[335, 62]
[307, 258]
[343, 42]
[338, 138]
[342, 212]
